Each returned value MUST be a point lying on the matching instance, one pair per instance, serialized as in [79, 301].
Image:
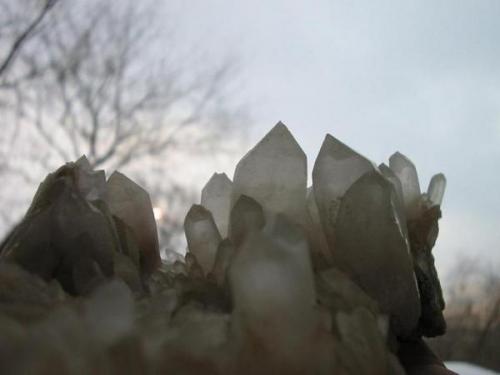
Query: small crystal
[435, 191]
[246, 216]
[407, 174]
[131, 203]
[202, 236]
[216, 197]
[373, 250]
[274, 173]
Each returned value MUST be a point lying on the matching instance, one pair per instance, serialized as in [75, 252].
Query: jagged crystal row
[278, 277]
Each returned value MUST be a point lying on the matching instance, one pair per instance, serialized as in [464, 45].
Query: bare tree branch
[23, 37]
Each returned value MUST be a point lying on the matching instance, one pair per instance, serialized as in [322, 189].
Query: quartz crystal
[131, 203]
[277, 279]
[273, 291]
[274, 173]
[336, 168]
[202, 236]
[435, 191]
[370, 243]
[407, 174]
[216, 197]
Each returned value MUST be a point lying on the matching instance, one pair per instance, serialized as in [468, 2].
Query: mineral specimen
[277, 279]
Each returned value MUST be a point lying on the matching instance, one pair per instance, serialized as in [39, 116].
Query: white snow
[463, 368]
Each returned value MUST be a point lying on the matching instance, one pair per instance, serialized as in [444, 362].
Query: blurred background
[170, 92]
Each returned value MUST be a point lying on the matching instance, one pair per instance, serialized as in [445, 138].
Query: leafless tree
[113, 84]
[21, 37]
[473, 315]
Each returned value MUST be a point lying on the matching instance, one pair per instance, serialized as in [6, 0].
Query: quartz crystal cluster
[278, 278]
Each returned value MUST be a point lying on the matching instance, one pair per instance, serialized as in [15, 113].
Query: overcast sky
[421, 77]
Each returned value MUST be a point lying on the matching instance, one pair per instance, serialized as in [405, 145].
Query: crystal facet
[131, 203]
[407, 174]
[372, 249]
[336, 168]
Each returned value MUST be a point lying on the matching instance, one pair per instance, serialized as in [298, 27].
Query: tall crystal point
[202, 236]
[274, 173]
[336, 168]
[372, 249]
[435, 191]
[407, 174]
[131, 203]
[216, 197]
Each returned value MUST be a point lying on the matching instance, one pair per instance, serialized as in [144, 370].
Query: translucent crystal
[246, 216]
[336, 168]
[372, 249]
[435, 191]
[407, 174]
[216, 197]
[273, 291]
[274, 173]
[202, 236]
[131, 203]
[393, 179]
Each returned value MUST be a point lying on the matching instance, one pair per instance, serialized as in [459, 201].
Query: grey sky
[422, 77]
